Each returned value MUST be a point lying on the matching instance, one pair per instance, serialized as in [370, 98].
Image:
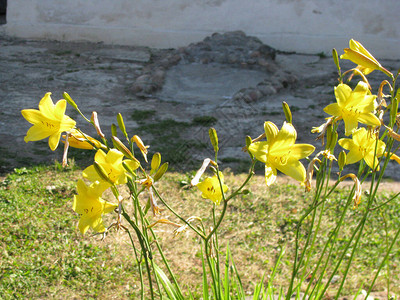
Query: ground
[169, 97]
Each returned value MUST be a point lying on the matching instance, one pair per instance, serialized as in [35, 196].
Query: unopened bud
[213, 138]
[161, 171]
[342, 160]
[121, 125]
[114, 130]
[155, 162]
[336, 59]
[138, 141]
[96, 124]
[394, 107]
[128, 168]
[69, 100]
[331, 138]
[213, 169]
[288, 113]
[102, 172]
[121, 147]
[249, 140]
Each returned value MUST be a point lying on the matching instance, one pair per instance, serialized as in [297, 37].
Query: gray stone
[137, 55]
[206, 83]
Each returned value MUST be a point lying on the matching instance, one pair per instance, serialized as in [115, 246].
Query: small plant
[371, 146]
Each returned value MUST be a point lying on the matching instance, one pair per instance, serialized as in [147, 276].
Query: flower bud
[213, 138]
[394, 107]
[336, 59]
[138, 141]
[331, 138]
[102, 173]
[342, 160]
[124, 150]
[69, 100]
[155, 162]
[121, 125]
[128, 168]
[161, 171]
[96, 124]
[249, 140]
[114, 130]
[288, 113]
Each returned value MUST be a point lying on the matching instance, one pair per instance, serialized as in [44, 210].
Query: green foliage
[205, 121]
[142, 115]
[42, 255]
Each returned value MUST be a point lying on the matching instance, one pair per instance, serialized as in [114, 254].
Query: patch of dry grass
[257, 225]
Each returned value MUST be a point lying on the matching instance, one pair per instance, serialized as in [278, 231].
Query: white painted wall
[305, 26]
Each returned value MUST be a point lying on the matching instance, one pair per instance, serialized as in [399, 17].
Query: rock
[230, 48]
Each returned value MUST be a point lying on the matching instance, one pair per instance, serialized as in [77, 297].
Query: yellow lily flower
[366, 63]
[80, 141]
[211, 188]
[112, 165]
[49, 121]
[362, 146]
[354, 106]
[90, 206]
[281, 153]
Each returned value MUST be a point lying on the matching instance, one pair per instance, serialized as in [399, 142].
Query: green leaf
[169, 288]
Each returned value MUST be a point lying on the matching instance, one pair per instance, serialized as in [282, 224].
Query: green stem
[384, 203]
[177, 215]
[382, 263]
[297, 261]
[332, 237]
[145, 248]
[139, 266]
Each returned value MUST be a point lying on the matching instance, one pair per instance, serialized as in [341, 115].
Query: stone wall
[306, 26]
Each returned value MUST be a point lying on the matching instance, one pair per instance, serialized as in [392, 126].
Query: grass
[42, 255]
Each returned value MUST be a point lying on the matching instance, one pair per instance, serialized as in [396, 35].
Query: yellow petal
[294, 169]
[83, 225]
[46, 106]
[299, 151]
[333, 109]
[114, 156]
[36, 133]
[284, 140]
[54, 140]
[271, 131]
[67, 124]
[33, 116]
[346, 143]
[357, 46]
[270, 174]
[59, 109]
[371, 161]
[259, 150]
[100, 157]
[91, 174]
[358, 97]
[109, 207]
[133, 164]
[369, 119]
[360, 59]
[350, 123]
[342, 93]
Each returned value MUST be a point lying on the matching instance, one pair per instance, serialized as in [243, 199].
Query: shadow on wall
[3, 10]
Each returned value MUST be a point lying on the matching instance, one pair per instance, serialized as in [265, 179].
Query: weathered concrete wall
[307, 26]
